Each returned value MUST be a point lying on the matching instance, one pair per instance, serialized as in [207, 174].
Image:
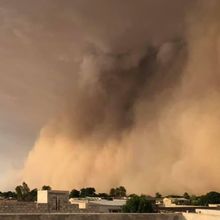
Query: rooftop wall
[7, 206]
[91, 217]
[202, 214]
[195, 216]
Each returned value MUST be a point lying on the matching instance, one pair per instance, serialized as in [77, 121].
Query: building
[56, 200]
[175, 201]
[105, 206]
[159, 201]
[81, 203]
[99, 205]
[51, 201]
[214, 205]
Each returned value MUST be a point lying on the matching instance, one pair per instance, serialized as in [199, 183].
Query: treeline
[23, 193]
[202, 200]
[117, 192]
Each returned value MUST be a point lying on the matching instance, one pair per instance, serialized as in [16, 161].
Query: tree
[112, 192]
[8, 195]
[186, 195]
[195, 200]
[74, 194]
[174, 196]
[158, 195]
[19, 193]
[45, 187]
[210, 198]
[103, 195]
[121, 191]
[32, 196]
[118, 192]
[87, 192]
[138, 204]
[131, 195]
[24, 194]
[25, 188]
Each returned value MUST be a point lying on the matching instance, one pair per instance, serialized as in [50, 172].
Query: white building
[99, 205]
[175, 201]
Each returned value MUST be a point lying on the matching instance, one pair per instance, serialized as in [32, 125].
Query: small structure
[175, 201]
[99, 205]
[214, 205]
[56, 200]
[105, 206]
[159, 201]
[81, 203]
[52, 201]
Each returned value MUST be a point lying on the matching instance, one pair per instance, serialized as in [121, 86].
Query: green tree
[112, 192]
[118, 191]
[74, 193]
[122, 191]
[25, 188]
[103, 195]
[32, 196]
[186, 195]
[195, 200]
[131, 195]
[210, 198]
[24, 193]
[19, 193]
[87, 192]
[158, 195]
[45, 187]
[8, 195]
[138, 204]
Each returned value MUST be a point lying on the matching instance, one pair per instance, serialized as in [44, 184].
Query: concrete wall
[183, 209]
[59, 216]
[202, 215]
[91, 217]
[208, 212]
[195, 216]
[7, 206]
[58, 201]
[55, 199]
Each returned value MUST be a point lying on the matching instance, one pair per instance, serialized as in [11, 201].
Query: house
[99, 205]
[175, 201]
[105, 206]
[81, 203]
[159, 201]
[55, 200]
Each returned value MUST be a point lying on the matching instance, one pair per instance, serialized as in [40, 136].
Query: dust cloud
[143, 107]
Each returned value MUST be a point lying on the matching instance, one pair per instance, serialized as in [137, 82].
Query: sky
[110, 78]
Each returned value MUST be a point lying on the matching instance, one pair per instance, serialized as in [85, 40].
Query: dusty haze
[141, 104]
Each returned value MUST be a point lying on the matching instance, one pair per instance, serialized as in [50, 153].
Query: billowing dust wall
[141, 106]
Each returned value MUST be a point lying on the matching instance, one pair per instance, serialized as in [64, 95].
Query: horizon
[97, 194]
